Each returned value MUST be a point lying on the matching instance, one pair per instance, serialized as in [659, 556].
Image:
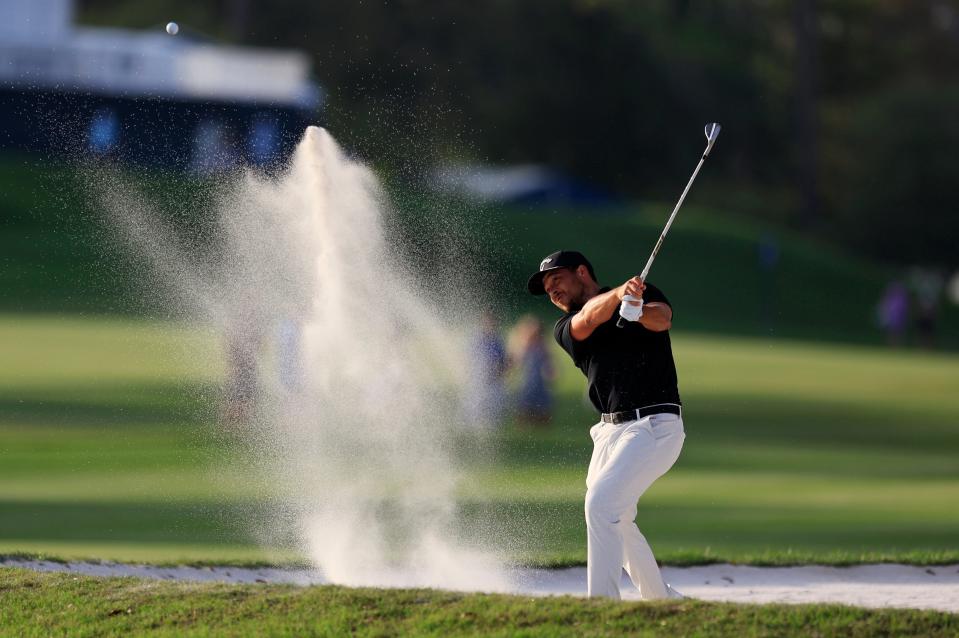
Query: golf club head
[712, 132]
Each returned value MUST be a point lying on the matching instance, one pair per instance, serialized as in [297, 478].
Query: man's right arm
[601, 308]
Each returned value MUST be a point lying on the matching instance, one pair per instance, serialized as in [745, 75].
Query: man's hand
[631, 303]
[633, 287]
[656, 316]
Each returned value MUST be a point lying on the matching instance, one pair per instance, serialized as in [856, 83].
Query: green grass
[61, 604]
[795, 453]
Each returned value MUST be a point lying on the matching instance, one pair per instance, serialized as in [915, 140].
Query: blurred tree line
[838, 115]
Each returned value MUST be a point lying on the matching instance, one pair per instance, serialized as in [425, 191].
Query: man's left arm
[657, 316]
[657, 312]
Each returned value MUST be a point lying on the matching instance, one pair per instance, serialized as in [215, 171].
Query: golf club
[627, 311]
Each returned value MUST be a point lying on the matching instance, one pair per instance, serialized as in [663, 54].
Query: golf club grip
[621, 322]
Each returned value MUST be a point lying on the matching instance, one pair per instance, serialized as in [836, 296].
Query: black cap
[554, 261]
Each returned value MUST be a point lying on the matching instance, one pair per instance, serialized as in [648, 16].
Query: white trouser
[627, 458]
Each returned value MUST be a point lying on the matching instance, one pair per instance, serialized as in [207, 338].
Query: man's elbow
[581, 327]
[657, 321]
[661, 326]
[581, 332]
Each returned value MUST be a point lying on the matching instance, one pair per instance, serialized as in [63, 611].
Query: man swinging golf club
[632, 382]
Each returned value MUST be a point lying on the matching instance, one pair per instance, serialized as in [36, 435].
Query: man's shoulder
[561, 326]
[654, 294]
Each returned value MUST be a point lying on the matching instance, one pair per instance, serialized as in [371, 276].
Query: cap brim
[535, 283]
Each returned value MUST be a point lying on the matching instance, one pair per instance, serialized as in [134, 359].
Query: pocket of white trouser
[663, 425]
[593, 431]
[595, 459]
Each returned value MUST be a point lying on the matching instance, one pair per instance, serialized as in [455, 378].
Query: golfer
[632, 383]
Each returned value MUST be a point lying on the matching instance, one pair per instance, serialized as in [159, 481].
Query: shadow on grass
[112, 405]
[747, 421]
[554, 533]
[187, 523]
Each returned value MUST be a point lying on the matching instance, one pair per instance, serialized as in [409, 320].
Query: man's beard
[577, 304]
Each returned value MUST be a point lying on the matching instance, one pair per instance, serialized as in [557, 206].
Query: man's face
[566, 288]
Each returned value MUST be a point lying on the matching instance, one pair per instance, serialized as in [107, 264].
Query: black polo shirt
[627, 368]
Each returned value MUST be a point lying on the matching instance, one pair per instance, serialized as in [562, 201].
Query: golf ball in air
[172, 28]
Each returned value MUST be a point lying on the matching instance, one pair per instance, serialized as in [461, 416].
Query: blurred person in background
[529, 353]
[242, 381]
[767, 253]
[486, 400]
[289, 335]
[892, 312]
[928, 285]
[952, 289]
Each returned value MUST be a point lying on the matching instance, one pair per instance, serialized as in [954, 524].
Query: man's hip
[626, 416]
[647, 445]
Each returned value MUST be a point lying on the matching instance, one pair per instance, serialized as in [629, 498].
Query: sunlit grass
[794, 451]
[64, 604]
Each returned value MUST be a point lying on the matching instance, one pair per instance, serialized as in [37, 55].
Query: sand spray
[359, 375]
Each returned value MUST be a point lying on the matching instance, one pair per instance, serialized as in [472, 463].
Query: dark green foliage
[901, 199]
[616, 92]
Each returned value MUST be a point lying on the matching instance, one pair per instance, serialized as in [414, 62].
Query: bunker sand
[873, 586]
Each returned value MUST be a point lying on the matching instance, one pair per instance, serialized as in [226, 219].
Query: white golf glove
[628, 311]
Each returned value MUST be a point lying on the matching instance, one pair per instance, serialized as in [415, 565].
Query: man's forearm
[594, 313]
[657, 317]
[600, 308]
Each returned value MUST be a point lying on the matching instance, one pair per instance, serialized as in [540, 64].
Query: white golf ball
[172, 28]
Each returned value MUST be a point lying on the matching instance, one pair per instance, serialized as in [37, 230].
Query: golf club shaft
[649, 263]
[659, 243]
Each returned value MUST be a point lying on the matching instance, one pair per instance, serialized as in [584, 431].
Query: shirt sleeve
[564, 337]
[654, 294]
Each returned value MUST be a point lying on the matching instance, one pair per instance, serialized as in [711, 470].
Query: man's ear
[583, 273]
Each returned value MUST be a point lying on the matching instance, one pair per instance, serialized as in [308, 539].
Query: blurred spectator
[104, 131]
[952, 289]
[288, 338]
[242, 382]
[768, 260]
[487, 395]
[893, 312]
[928, 285]
[528, 351]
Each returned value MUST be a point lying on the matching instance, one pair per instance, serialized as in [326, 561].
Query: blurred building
[146, 97]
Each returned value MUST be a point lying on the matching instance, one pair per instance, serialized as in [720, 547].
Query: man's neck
[588, 294]
[591, 291]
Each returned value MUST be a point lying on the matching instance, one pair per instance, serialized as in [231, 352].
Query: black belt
[641, 413]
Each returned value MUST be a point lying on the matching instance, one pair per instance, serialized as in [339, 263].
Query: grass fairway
[795, 453]
[58, 604]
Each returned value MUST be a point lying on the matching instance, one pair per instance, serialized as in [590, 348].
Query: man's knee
[600, 509]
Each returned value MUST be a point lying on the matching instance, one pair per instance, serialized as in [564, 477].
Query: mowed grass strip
[38, 604]
[796, 452]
